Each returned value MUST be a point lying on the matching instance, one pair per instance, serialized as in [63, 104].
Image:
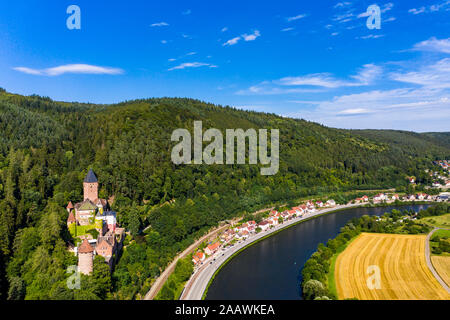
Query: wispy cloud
[433, 45]
[431, 8]
[314, 83]
[297, 17]
[159, 24]
[371, 36]
[245, 37]
[251, 37]
[366, 75]
[232, 42]
[224, 29]
[433, 76]
[187, 12]
[192, 65]
[341, 4]
[286, 29]
[70, 69]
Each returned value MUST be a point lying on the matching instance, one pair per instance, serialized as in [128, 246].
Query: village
[441, 180]
[246, 231]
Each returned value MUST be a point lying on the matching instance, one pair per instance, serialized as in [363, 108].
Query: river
[271, 269]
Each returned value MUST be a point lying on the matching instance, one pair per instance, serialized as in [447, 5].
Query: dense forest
[47, 147]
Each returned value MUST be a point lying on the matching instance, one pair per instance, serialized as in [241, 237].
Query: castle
[94, 212]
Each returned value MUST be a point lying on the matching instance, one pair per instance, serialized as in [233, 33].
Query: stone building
[85, 258]
[96, 212]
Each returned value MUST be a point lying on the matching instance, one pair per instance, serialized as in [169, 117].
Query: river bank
[197, 287]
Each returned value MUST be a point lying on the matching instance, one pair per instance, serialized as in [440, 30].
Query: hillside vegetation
[46, 148]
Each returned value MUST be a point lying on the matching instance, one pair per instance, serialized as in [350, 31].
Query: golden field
[404, 274]
[442, 266]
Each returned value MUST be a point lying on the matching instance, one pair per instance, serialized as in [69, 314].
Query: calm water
[271, 269]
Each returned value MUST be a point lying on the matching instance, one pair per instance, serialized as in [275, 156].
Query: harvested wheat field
[404, 274]
[442, 266]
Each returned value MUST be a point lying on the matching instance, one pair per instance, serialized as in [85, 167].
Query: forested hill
[46, 148]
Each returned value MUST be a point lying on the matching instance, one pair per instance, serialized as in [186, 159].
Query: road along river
[271, 268]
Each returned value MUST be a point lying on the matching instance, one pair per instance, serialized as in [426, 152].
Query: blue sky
[315, 60]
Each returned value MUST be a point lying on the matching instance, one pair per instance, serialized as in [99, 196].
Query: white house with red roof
[395, 197]
[264, 225]
[212, 248]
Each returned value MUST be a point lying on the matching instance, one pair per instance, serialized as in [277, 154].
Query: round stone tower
[85, 258]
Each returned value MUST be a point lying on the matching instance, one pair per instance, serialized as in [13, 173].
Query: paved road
[196, 286]
[430, 264]
[159, 282]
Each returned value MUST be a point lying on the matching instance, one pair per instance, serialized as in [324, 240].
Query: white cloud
[251, 37]
[366, 75]
[431, 8]
[297, 17]
[232, 41]
[410, 109]
[342, 4]
[163, 41]
[286, 29]
[159, 24]
[371, 36]
[71, 69]
[224, 29]
[434, 76]
[192, 65]
[191, 53]
[172, 59]
[434, 45]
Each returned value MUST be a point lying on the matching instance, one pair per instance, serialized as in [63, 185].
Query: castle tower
[85, 258]
[90, 186]
[69, 207]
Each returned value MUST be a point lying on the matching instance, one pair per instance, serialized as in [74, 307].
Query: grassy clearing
[331, 281]
[438, 221]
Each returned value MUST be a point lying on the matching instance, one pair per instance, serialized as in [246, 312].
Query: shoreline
[201, 290]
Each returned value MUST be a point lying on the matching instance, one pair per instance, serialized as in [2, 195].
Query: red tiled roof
[70, 205]
[214, 246]
[85, 247]
[71, 218]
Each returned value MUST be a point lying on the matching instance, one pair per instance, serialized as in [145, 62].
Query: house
[395, 197]
[198, 257]
[380, 197]
[411, 180]
[331, 203]
[421, 196]
[212, 248]
[264, 225]
[228, 235]
[365, 198]
[319, 204]
[411, 198]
